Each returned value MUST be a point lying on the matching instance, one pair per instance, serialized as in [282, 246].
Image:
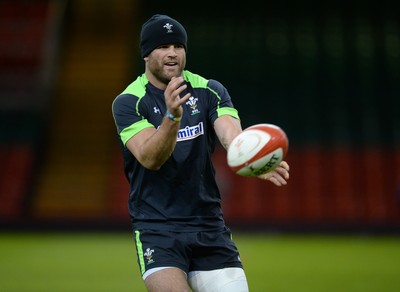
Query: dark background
[327, 72]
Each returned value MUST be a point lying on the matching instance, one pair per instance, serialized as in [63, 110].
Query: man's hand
[279, 175]
[172, 98]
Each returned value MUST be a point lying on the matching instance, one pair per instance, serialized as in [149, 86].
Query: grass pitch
[107, 262]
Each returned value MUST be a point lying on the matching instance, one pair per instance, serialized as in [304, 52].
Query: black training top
[182, 195]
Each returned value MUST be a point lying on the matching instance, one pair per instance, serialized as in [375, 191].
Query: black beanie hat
[161, 30]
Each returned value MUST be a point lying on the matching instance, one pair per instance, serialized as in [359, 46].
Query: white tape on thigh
[222, 280]
[152, 271]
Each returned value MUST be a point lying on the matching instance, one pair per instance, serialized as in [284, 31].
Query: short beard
[162, 77]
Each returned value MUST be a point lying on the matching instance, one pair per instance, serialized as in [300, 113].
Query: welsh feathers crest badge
[168, 27]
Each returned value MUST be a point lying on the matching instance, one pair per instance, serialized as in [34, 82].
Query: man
[168, 121]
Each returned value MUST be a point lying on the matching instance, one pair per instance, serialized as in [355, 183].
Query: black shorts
[188, 251]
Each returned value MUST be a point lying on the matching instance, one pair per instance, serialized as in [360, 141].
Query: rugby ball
[258, 149]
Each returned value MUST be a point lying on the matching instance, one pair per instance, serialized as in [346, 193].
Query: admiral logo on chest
[188, 133]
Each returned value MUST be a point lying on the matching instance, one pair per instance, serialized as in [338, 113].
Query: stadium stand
[332, 74]
[23, 34]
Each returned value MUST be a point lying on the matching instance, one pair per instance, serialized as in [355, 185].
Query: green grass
[107, 262]
[321, 263]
